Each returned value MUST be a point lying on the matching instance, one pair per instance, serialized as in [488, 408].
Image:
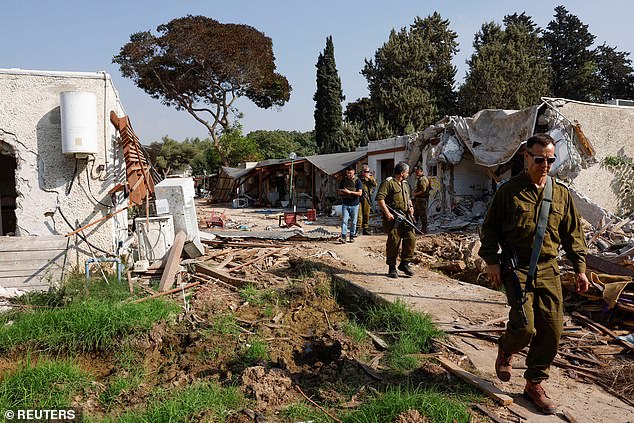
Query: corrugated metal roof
[336, 162]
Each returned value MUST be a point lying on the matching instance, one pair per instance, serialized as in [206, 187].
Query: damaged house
[269, 183]
[467, 157]
[62, 168]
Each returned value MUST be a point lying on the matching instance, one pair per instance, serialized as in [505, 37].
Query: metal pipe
[100, 259]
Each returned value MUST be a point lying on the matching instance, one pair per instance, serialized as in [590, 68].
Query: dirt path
[453, 302]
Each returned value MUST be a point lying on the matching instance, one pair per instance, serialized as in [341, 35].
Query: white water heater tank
[79, 122]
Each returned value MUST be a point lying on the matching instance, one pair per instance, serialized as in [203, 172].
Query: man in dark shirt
[350, 190]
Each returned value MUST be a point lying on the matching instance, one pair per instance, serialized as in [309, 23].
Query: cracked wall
[609, 129]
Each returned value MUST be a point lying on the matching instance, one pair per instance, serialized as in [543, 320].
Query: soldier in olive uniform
[369, 183]
[394, 192]
[512, 217]
[421, 197]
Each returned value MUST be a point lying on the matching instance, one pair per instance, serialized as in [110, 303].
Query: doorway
[8, 193]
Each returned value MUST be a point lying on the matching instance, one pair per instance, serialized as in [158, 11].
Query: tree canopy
[509, 67]
[410, 78]
[202, 66]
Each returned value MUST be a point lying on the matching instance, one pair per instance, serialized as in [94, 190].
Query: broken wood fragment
[490, 414]
[485, 386]
[270, 253]
[171, 291]
[218, 274]
[378, 341]
[599, 326]
[173, 261]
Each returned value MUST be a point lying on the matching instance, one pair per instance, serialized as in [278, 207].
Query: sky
[70, 35]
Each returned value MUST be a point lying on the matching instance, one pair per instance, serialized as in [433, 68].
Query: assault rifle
[400, 218]
[508, 264]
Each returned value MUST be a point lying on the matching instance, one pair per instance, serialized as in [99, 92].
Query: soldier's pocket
[523, 213]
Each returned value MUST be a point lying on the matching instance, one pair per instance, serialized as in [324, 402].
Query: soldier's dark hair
[400, 168]
[351, 168]
[541, 139]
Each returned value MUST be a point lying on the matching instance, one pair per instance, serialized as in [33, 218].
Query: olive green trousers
[396, 234]
[363, 221]
[544, 312]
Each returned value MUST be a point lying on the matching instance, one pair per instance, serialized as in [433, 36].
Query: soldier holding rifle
[395, 193]
[513, 219]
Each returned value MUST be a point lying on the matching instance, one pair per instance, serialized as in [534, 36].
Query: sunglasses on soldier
[540, 159]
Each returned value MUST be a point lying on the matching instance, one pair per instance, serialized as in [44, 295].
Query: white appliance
[155, 235]
[179, 193]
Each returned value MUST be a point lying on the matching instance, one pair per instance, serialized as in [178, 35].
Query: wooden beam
[173, 261]
[485, 386]
[231, 280]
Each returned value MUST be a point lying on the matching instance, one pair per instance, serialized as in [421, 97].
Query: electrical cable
[81, 236]
[70, 185]
[90, 189]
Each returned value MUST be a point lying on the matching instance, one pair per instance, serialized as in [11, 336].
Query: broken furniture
[216, 219]
[290, 218]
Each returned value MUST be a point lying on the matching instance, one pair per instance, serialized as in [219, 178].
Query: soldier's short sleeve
[383, 191]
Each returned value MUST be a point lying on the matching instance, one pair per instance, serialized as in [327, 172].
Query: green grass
[225, 324]
[412, 332]
[302, 411]
[43, 385]
[199, 402]
[436, 406]
[255, 351]
[92, 324]
[130, 374]
[355, 331]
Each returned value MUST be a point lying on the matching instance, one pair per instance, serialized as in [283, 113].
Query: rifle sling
[544, 210]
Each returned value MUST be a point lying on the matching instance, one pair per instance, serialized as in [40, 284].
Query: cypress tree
[328, 98]
[568, 42]
[411, 77]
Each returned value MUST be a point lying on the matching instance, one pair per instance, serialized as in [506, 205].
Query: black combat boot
[392, 272]
[366, 231]
[404, 267]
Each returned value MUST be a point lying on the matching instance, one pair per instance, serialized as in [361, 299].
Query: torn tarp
[494, 136]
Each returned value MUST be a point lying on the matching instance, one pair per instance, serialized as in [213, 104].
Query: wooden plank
[218, 274]
[485, 386]
[32, 243]
[489, 413]
[607, 267]
[489, 329]
[11, 267]
[34, 272]
[21, 256]
[173, 261]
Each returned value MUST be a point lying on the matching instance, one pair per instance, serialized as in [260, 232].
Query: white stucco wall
[30, 124]
[610, 131]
